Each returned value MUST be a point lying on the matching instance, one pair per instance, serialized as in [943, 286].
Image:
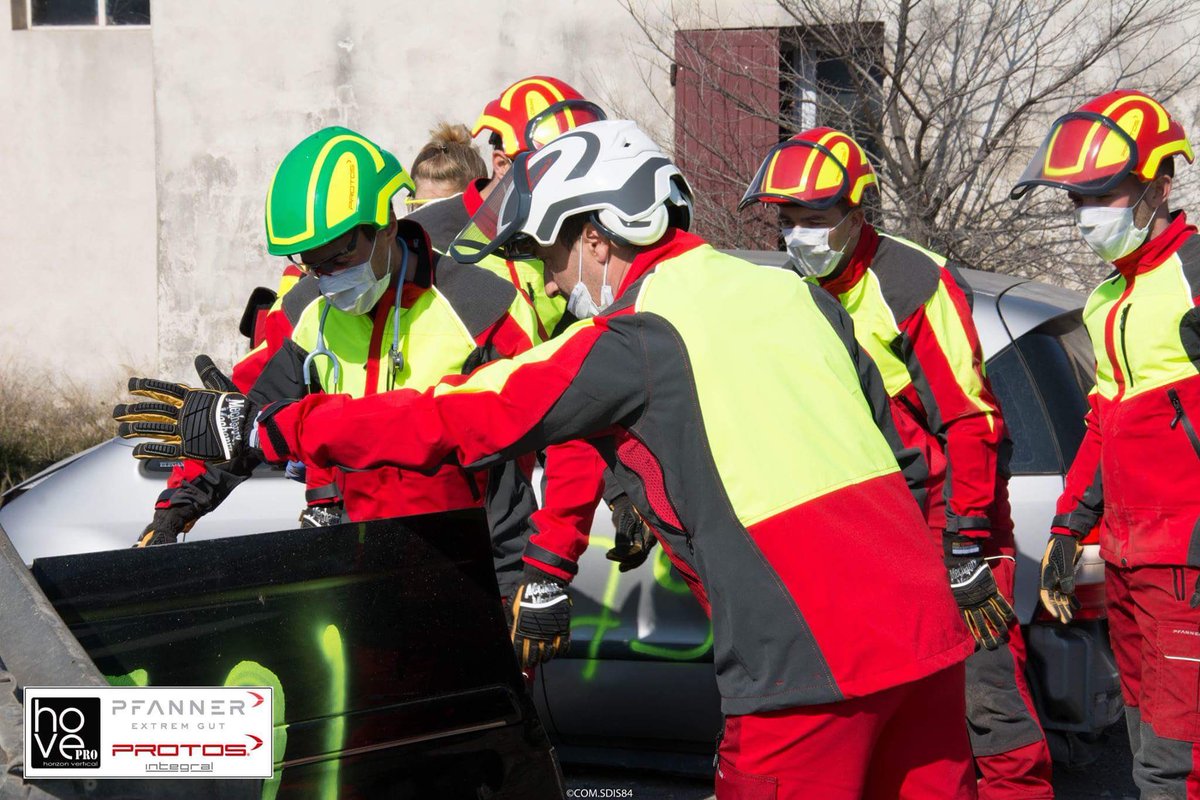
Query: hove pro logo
[65, 733]
[149, 732]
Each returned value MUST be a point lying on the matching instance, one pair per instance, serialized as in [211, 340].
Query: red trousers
[905, 742]
[1155, 636]
[1006, 737]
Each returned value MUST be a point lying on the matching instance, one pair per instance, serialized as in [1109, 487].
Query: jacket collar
[1157, 250]
[676, 242]
[860, 261]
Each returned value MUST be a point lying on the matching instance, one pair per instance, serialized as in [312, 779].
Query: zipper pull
[1171, 393]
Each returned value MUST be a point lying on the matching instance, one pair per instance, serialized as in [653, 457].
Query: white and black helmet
[611, 171]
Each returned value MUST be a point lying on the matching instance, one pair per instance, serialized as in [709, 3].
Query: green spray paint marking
[139, 677]
[663, 576]
[252, 673]
[670, 653]
[607, 620]
[335, 659]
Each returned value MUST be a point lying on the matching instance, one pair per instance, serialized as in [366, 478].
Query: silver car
[637, 686]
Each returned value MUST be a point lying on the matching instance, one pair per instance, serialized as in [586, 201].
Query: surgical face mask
[810, 252]
[580, 303]
[355, 290]
[1110, 231]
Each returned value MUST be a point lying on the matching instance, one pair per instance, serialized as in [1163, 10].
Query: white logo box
[148, 732]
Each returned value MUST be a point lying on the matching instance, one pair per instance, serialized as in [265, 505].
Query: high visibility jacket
[753, 434]
[1138, 467]
[915, 322]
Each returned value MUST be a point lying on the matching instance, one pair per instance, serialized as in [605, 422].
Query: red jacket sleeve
[961, 409]
[571, 491]
[1082, 502]
[562, 390]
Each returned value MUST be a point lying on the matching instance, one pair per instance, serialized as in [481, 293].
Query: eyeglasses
[335, 262]
[521, 247]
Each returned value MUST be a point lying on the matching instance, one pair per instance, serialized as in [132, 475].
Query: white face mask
[580, 303]
[810, 252]
[1110, 231]
[355, 290]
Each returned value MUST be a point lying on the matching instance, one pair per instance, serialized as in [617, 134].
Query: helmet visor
[1084, 152]
[550, 123]
[800, 172]
[496, 227]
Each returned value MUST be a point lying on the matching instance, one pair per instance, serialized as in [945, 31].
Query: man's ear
[1160, 192]
[596, 243]
[501, 164]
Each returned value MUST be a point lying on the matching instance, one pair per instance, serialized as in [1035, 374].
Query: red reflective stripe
[1110, 342]
[382, 311]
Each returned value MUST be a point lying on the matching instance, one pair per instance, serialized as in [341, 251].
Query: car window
[1042, 383]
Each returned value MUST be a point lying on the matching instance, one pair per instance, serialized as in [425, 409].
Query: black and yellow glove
[633, 540]
[539, 617]
[984, 609]
[166, 525]
[211, 424]
[1057, 579]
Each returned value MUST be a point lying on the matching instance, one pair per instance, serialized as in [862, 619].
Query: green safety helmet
[331, 182]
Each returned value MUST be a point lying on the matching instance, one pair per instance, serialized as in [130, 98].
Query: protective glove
[166, 526]
[322, 516]
[211, 424]
[1058, 576]
[634, 538]
[539, 617]
[984, 609]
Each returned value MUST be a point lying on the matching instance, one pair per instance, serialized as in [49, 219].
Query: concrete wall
[237, 84]
[77, 210]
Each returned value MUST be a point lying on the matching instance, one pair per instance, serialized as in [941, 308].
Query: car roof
[1005, 307]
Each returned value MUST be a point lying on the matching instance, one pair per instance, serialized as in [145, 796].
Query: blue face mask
[355, 290]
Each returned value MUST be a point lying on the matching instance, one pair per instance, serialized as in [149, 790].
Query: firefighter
[914, 320]
[750, 430]
[1135, 474]
[371, 314]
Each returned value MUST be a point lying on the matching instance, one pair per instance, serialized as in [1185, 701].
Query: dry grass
[44, 419]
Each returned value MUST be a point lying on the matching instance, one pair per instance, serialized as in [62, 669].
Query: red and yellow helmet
[815, 169]
[1092, 149]
[532, 112]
